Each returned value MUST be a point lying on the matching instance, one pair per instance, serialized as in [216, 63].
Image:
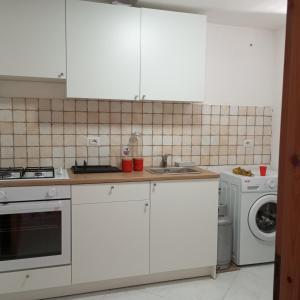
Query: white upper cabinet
[172, 55]
[103, 50]
[32, 38]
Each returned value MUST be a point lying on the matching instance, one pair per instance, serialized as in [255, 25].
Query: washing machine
[252, 203]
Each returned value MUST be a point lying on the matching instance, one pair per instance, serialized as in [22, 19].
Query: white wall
[236, 73]
[279, 45]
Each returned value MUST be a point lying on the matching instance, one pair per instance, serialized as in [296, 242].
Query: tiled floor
[250, 283]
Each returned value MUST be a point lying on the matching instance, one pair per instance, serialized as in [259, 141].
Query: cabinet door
[32, 35]
[183, 233]
[110, 240]
[172, 55]
[103, 50]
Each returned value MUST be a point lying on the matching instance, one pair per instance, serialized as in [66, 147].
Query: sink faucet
[164, 160]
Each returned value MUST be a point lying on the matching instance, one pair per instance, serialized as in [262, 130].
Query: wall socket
[93, 141]
[248, 143]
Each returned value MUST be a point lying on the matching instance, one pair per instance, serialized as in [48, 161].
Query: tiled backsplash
[54, 132]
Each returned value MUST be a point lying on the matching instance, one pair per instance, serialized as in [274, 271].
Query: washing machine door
[262, 218]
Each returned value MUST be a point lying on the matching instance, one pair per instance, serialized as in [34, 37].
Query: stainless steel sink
[174, 170]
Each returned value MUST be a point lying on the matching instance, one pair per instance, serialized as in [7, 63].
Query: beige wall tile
[7, 152]
[18, 103]
[69, 117]
[57, 105]
[6, 115]
[6, 128]
[32, 116]
[32, 104]
[178, 108]
[216, 109]
[81, 128]
[242, 110]
[93, 106]
[20, 152]
[45, 104]
[33, 140]
[33, 128]
[5, 103]
[45, 116]
[187, 108]
[6, 140]
[19, 128]
[69, 105]
[104, 118]
[57, 116]
[115, 106]
[81, 117]
[45, 152]
[5, 163]
[81, 105]
[233, 110]
[33, 152]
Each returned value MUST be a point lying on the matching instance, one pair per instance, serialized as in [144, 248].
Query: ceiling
[255, 13]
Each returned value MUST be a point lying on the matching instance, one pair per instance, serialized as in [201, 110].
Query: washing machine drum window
[262, 218]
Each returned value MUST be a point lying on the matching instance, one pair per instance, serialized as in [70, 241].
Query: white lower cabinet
[14, 282]
[183, 231]
[110, 239]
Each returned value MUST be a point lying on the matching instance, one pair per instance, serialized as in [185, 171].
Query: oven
[35, 227]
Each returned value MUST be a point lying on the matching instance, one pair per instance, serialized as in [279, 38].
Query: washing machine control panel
[259, 184]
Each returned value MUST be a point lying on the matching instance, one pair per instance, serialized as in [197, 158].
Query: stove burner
[27, 173]
[11, 173]
[38, 172]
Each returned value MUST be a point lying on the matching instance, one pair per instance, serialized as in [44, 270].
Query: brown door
[287, 266]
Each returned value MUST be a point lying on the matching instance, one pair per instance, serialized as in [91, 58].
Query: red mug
[138, 164]
[263, 170]
[127, 165]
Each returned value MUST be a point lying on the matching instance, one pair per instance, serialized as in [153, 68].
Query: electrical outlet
[93, 141]
[248, 143]
[125, 150]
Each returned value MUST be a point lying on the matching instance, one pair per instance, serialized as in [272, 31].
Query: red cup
[138, 164]
[127, 165]
[263, 170]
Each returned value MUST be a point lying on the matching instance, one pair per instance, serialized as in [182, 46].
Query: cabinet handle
[153, 187]
[60, 75]
[111, 189]
[27, 276]
[144, 97]
[146, 206]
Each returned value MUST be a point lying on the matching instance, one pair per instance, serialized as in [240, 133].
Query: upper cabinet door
[103, 50]
[32, 38]
[172, 56]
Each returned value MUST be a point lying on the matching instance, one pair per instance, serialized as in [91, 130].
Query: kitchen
[164, 85]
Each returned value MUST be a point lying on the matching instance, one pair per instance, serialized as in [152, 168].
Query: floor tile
[249, 283]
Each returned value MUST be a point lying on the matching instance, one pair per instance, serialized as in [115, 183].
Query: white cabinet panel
[183, 230]
[32, 35]
[95, 193]
[110, 240]
[103, 50]
[172, 55]
[22, 281]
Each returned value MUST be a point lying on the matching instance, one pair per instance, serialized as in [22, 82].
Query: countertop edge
[75, 179]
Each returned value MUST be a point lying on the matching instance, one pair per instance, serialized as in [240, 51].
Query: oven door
[34, 234]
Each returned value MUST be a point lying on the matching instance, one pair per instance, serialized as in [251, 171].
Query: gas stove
[32, 173]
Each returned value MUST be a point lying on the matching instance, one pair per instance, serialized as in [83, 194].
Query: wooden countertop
[108, 178]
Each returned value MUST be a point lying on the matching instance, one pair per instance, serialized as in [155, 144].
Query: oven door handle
[30, 207]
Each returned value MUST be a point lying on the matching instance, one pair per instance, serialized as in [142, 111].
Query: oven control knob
[271, 184]
[52, 193]
[2, 196]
